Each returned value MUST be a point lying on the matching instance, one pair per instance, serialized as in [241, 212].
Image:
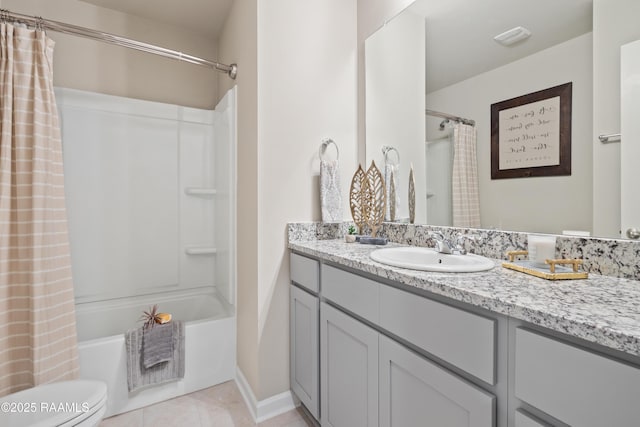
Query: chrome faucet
[445, 246]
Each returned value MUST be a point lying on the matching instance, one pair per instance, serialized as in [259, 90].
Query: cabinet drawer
[354, 293]
[304, 271]
[523, 419]
[461, 338]
[576, 386]
[416, 392]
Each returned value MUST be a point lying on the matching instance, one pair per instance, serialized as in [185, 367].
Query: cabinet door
[349, 371]
[416, 392]
[522, 419]
[304, 348]
[575, 385]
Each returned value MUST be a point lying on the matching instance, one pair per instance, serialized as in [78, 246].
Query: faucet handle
[442, 244]
[437, 236]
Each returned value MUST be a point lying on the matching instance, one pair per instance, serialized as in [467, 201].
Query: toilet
[62, 404]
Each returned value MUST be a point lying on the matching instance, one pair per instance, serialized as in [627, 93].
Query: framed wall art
[531, 134]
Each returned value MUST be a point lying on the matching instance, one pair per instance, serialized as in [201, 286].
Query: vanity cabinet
[304, 348]
[349, 370]
[304, 326]
[415, 391]
[370, 352]
[369, 379]
[575, 385]
[523, 419]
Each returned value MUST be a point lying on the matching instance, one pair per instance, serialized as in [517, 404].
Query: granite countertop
[601, 309]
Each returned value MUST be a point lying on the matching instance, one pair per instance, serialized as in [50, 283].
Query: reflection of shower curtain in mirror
[466, 201]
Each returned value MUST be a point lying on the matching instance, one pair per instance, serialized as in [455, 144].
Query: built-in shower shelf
[200, 191]
[200, 251]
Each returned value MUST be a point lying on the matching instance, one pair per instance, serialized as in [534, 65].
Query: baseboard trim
[267, 408]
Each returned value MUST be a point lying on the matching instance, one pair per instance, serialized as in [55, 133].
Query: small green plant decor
[351, 234]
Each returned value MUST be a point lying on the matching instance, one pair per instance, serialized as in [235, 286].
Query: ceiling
[459, 33]
[204, 17]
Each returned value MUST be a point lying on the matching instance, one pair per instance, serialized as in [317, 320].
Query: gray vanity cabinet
[522, 419]
[415, 391]
[304, 330]
[304, 348]
[391, 357]
[575, 385]
[349, 370]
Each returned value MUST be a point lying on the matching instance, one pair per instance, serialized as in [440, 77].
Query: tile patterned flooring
[219, 406]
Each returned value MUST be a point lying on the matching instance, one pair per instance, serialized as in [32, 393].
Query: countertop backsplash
[608, 257]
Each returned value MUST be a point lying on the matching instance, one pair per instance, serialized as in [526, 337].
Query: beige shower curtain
[465, 195]
[37, 319]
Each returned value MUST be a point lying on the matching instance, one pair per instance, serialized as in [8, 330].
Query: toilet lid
[64, 403]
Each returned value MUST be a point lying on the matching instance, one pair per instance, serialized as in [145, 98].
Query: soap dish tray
[555, 269]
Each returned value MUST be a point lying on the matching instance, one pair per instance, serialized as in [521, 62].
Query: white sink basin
[427, 259]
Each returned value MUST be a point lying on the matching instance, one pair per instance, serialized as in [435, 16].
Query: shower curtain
[466, 200]
[37, 318]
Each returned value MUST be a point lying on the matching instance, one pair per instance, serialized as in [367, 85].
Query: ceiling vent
[512, 36]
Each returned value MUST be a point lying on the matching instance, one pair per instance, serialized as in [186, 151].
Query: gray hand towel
[138, 376]
[157, 345]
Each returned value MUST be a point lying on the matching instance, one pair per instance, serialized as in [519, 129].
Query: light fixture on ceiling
[512, 36]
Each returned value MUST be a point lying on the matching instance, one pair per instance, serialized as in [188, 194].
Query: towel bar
[612, 137]
[197, 191]
[200, 251]
[323, 148]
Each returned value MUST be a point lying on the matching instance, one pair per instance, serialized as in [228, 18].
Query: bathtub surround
[37, 322]
[168, 225]
[607, 257]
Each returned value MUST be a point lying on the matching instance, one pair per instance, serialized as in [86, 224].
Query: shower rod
[450, 117]
[60, 27]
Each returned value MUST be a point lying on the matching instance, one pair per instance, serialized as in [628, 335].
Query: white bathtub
[210, 344]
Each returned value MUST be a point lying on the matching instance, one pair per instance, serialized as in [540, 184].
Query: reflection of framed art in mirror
[531, 134]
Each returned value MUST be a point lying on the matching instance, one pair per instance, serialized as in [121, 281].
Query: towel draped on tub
[158, 360]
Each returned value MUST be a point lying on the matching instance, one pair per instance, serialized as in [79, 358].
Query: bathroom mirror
[445, 49]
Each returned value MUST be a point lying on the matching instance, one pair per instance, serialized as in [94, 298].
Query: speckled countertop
[601, 309]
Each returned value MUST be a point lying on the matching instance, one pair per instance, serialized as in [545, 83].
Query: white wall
[528, 203]
[307, 53]
[239, 44]
[372, 14]
[85, 64]
[296, 85]
[615, 22]
[395, 103]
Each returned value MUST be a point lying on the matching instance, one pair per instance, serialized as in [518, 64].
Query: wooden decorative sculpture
[376, 198]
[368, 198]
[357, 194]
[412, 197]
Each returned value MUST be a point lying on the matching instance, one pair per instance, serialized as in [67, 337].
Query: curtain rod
[47, 24]
[450, 117]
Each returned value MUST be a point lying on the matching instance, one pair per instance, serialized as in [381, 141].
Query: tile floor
[219, 406]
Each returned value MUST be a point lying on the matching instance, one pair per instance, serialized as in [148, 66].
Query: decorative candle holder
[541, 248]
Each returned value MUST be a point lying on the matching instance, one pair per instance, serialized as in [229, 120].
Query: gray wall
[541, 204]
